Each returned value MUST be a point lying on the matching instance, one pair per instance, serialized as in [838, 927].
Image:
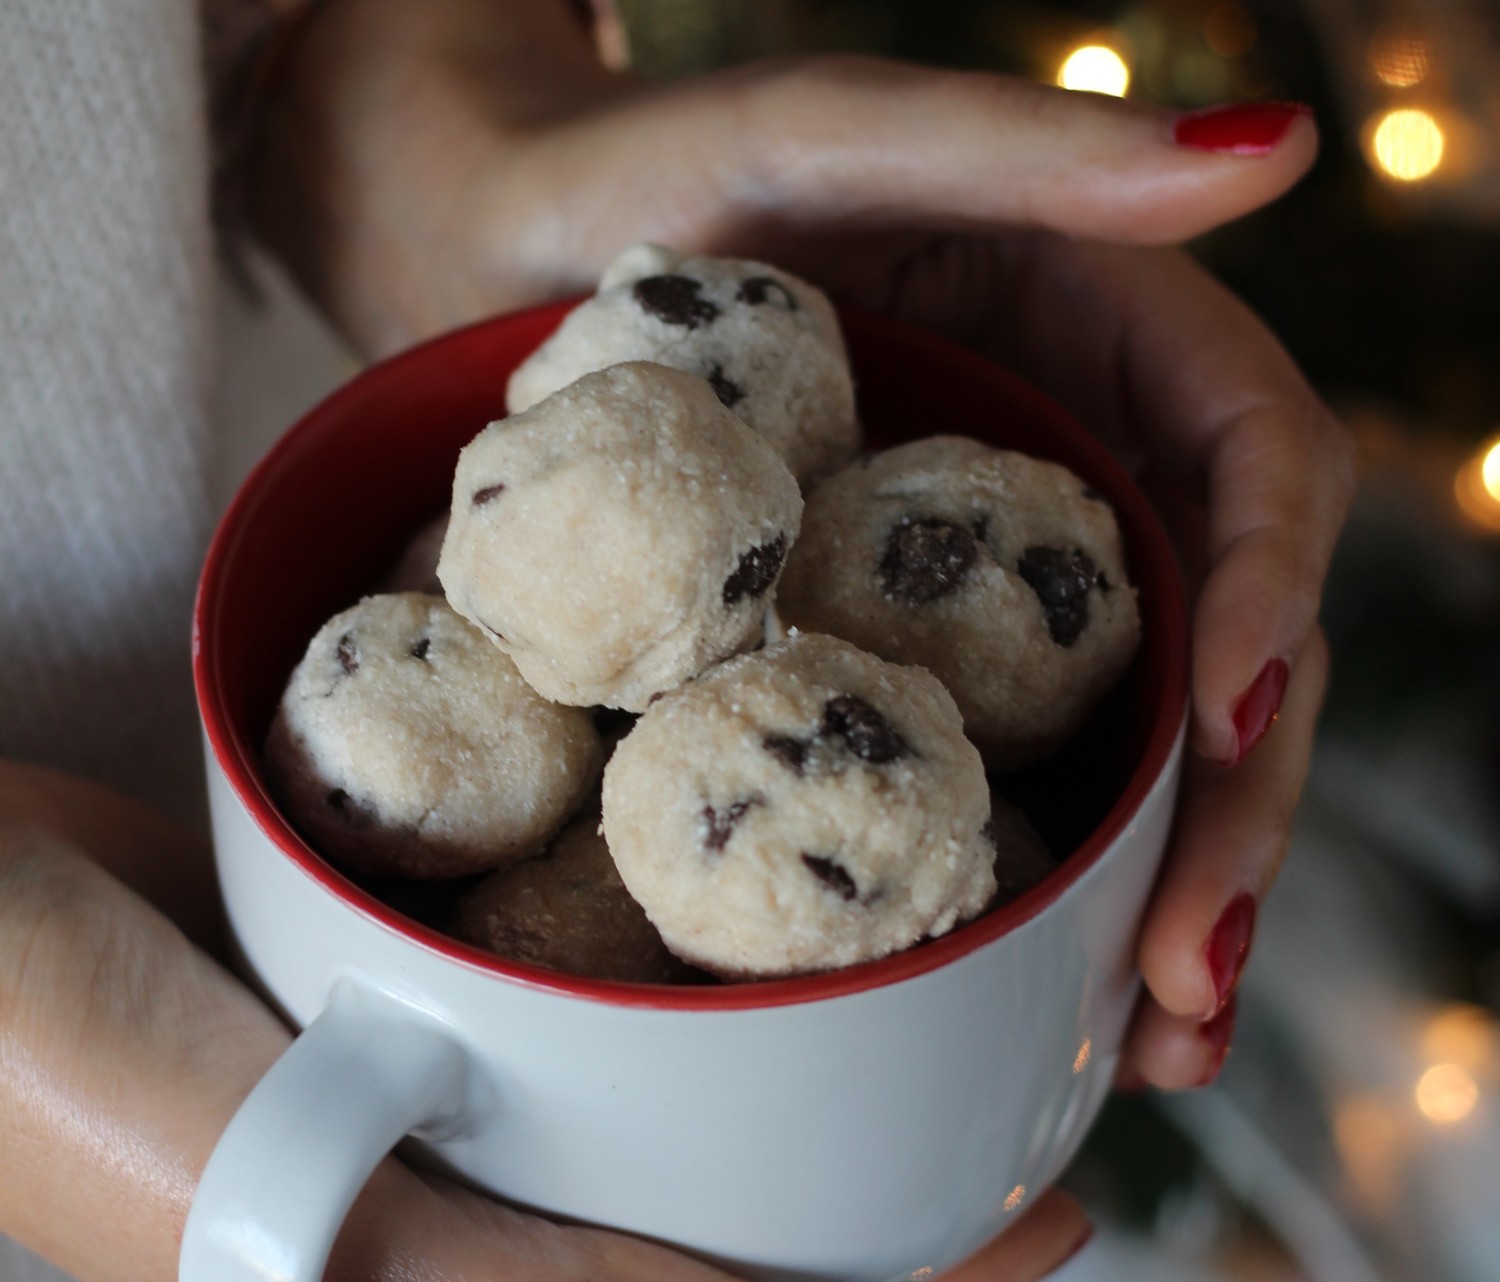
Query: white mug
[875, 1123]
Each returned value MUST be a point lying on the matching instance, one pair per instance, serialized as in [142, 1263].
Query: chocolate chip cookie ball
[800, 809]
[620, 536]
[407, 745]
[567, 910]
[1001, 574]
[767, 342]
[1021, 856]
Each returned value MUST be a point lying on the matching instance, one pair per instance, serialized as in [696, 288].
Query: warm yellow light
[1489, 471]
[1085, 1051]
[1015, 1197]
[1408, 144]
[1399, 56]
[1447, 1093]
[1371, 1138]
[1477, 486]
[1460, 1033]
[1096, 68]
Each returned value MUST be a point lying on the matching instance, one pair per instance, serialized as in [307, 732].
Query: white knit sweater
[105, 323]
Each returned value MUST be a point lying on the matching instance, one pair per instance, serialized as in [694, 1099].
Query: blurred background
[1355, 1134]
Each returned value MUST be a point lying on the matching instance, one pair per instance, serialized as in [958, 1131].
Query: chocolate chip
[864, 728]
[339, 800]
[729, 392]
[1093, 495]
[758, 289]
[833, 875]
[1101, 582]
[926, 558]
[419, 651]
[481, 497]
[348, 655]
[1061, 581]
[792, 753]
[720, 824]
[981, 527]
[674, 299]
[989, 834]
[756, 571]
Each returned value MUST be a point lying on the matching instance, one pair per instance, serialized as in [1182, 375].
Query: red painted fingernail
[1218, 1033]
[1241, 128]
[1256, 709]
[1227, 948]
[1088, 1236]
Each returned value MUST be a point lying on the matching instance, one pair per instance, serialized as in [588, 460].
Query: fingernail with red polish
[1256, 709]
[1227, 948]
[1218, 1033]
[1088, 1236]
[1240, 129]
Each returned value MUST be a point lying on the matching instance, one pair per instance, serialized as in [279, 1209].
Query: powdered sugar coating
[767, 341]
[800, 809]
[1001, 574]
[620, 536]
[407, 745]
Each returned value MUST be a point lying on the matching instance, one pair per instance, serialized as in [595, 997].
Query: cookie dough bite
[1021, 856]
[768, 343]
[407, 745]
[1001, 574]
[567, 910]
[800, 809]
[620, 536]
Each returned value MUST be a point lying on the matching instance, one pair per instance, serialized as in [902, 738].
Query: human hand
[125, 1050]
[422, 171]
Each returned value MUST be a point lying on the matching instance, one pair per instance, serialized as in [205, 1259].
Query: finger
[1149, 348]
[1175, 1052]
[869, 142]
[1040, 1242]
[1233, 826]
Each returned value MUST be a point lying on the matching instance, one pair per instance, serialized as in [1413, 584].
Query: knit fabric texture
[105, 355]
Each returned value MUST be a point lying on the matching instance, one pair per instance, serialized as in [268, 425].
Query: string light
[1477, 486]
[1399, 56]
[1407, 144]
[1447, 1093]
[1097, 69]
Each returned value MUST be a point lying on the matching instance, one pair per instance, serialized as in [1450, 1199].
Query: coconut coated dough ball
[768, 343]
[800, 809]
[620, 536]
[407, 745]
[1001, 574]
[567, 910]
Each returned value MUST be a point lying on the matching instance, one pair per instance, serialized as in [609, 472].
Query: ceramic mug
[875, 1123]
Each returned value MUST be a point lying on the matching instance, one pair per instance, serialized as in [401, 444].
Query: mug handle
[289, 1165]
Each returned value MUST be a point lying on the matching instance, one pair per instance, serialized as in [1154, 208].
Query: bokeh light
[1461, 1033]
[1407, 144]
[1477, 490]
[1399, 56]
[1229, 29]
[1447, 1093]
[1097, 69]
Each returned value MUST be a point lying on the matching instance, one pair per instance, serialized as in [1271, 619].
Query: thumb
[869, 143]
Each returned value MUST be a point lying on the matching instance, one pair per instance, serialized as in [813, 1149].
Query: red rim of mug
[1154, 569]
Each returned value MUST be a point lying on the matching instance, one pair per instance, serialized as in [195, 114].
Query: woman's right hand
[125, 1048]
